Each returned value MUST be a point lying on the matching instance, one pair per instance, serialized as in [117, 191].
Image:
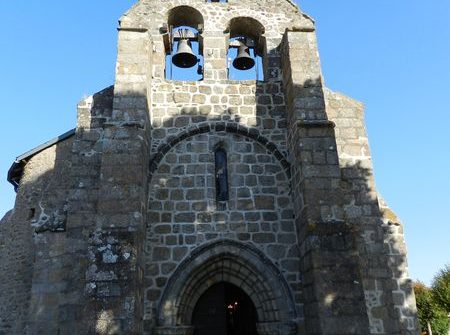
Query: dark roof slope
[16, 170]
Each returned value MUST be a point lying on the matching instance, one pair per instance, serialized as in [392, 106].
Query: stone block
[160, 254]
[199, 98]
[263, 238]
[276, 251]
[179, 253]
[264, 202]
[185, 217]
[195, 194]
[181, 97]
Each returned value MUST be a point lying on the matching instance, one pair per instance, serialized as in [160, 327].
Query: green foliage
[441, 289]
[433, 305]
[439, 324]
[424, 303]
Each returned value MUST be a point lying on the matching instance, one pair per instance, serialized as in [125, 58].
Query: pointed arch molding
[228, 127]
[233, 262]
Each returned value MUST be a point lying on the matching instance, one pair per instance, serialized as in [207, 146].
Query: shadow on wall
[183, 147]
[25, 256]
[45, 240]
[374, 241]
[382, 254]
[79, 278]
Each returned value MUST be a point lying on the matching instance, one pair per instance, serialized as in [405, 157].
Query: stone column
[333, 294]
[215, 57]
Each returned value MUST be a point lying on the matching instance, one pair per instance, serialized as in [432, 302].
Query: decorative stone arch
[185, 16]
[229, 127]
[245, 25]
[232, 262]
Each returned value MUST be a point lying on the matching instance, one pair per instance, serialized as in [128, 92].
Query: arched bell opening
[246, 49]
[184, 44]
[224, 309]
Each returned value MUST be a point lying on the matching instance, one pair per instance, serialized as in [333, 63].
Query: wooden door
[224, 309]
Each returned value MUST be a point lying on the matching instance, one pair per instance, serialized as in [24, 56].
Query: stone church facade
[119, 226]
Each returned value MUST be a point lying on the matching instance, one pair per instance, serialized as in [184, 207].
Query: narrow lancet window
[221, 175]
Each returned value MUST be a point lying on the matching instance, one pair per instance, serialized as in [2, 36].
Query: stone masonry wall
[105, 220]
[31, 254]
[275, 17]
[387, 289]
[88, 146]
[183, 213]
[49, 231]
[182, 208]
[402, 289]
[16, 262]
[333, 292]
[123, 195]
[176, 106]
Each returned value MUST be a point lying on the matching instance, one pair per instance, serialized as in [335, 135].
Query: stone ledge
[276, 328]
[315, 124]
[132, 29]
[175, 330]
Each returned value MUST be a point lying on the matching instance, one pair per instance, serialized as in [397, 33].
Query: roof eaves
[16, 170]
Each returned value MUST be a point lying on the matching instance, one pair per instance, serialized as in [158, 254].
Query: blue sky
[392, 55]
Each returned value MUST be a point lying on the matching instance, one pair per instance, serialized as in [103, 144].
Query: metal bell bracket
[184, 34]
[247, 41]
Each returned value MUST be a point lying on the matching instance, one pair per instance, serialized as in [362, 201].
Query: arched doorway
[224, 309]
[240, 265]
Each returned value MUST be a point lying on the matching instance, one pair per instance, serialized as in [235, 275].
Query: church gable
[217, 188]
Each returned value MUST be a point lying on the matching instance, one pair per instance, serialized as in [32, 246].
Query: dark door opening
[224, 309]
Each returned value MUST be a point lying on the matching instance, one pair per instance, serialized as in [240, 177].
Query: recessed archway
[234, 263]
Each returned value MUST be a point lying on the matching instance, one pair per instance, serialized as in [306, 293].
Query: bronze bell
[184, 57]
[243, 61]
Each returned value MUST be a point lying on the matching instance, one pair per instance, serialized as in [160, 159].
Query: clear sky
[392, 55]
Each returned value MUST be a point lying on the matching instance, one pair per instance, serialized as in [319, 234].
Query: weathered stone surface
[112, 221]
